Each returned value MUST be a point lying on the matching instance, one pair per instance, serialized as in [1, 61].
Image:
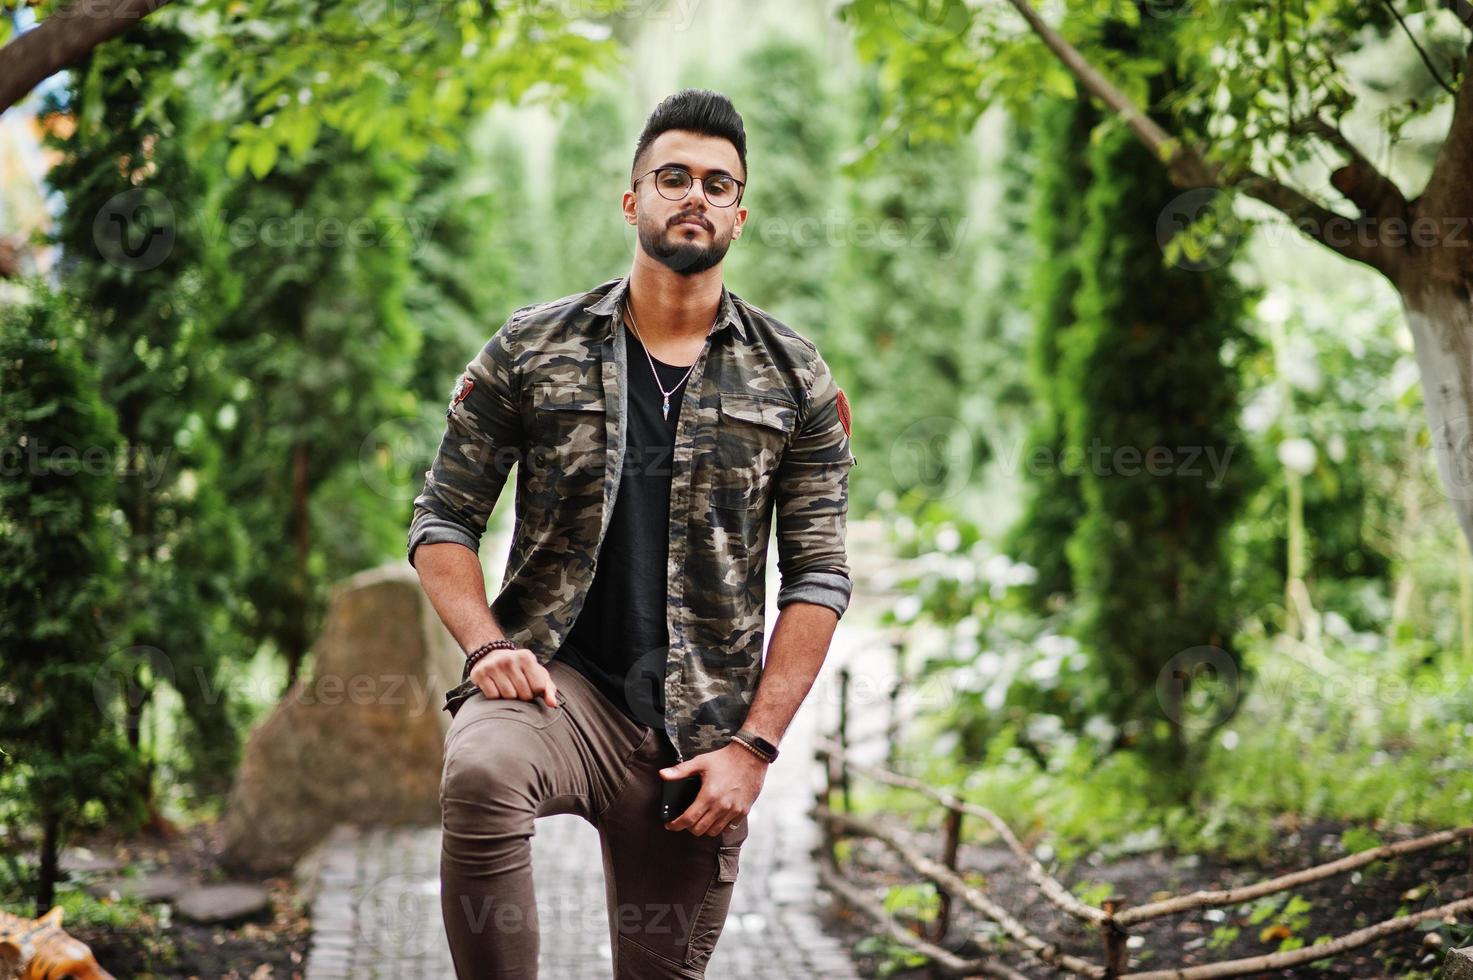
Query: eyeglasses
[674, 183]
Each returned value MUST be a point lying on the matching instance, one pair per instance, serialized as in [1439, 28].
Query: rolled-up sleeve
[482, 442]
[812, 500]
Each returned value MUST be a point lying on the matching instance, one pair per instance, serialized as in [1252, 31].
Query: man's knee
[488, 789]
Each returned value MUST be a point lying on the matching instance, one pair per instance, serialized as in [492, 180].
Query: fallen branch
[949, 962]
[1305, 954]
[1112, 925]
[1049, 885]
[959, 888]
[1233, 896]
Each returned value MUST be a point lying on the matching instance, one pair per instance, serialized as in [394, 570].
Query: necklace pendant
[666, 407]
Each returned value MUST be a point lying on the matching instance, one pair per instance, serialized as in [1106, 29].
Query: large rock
[1459, 964]
[362, 740]
[145, 888]
[223, 904]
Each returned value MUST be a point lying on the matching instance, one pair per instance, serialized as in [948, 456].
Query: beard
[670, 248]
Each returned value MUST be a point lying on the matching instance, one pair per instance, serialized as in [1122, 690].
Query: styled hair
[698, 110]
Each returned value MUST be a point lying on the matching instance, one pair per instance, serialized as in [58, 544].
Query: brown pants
[509, 761]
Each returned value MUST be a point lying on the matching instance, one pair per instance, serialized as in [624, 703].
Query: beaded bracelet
[485, 648]
[752, 749]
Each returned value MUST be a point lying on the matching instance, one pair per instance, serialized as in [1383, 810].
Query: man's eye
[720, 185]
[672, 178]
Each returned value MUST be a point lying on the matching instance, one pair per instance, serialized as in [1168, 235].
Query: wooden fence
[1110, 920]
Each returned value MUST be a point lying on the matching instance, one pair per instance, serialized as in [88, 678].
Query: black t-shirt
[621, 637]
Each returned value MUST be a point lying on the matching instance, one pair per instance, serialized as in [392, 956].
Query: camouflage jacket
[762, 426]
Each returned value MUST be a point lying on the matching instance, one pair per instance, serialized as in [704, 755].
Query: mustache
[691, 217]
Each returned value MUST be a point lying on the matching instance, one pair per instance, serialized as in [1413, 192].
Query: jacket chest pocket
[751, 435]
[565, 435]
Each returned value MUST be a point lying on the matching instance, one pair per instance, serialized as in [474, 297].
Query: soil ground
[1336, 905]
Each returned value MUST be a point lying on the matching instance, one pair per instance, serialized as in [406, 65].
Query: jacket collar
[612, 301]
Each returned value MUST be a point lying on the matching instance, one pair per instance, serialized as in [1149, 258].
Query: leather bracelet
[485, 648]
[757, 745]
[751, 748]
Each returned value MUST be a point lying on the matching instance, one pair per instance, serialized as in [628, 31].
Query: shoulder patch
[844, 410]
[462, 388]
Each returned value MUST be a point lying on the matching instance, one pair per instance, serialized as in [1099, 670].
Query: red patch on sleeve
[462, 388]
[844, 411]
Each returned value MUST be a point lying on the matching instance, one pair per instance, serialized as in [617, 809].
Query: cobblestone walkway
[376, 913]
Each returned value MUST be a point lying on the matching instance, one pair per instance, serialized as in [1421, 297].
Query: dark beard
[683, 257]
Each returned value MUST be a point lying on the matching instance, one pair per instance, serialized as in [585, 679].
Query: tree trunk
[50, 859]
[302, 536]
[1441, 321]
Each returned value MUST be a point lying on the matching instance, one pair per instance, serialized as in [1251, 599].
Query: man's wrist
[756, 744]
[481, 639]
[472, 657]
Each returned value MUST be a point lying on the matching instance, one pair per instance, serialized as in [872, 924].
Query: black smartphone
[676, 795]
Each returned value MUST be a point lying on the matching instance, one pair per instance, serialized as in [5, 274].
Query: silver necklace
[665, 408]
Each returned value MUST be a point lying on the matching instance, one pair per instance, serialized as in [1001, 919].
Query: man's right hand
[514, 674]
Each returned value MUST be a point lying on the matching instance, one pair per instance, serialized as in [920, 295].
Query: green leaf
[263, 157]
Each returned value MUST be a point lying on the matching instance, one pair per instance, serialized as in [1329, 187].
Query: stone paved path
[376, 913]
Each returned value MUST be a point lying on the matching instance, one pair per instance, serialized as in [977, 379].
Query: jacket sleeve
[482, 441]
[812, 499]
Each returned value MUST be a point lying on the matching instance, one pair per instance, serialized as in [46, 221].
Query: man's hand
[514, 674]
[731, 778]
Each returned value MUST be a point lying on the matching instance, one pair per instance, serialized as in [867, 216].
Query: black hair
[698, 110]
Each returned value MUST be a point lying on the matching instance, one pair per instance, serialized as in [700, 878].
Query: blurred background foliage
[349, 220]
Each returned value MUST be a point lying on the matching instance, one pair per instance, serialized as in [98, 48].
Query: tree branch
[1362, 183]
[1449, 192]
[1185, 164]
[1188, 166]
[61, 39]
[1354, 238]
[1426, 60]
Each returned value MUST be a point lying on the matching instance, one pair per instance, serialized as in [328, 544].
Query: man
[658, 421]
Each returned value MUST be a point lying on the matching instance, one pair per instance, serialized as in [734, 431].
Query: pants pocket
[711, 918]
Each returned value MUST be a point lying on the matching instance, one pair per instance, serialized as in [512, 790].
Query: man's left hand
[731, 778]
